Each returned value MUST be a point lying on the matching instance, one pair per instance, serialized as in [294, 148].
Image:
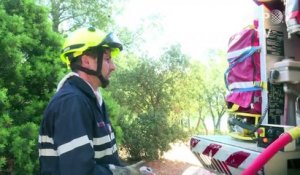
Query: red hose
[267, 154]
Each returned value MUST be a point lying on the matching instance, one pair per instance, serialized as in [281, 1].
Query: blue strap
[230, 60]
[247, 89]
[243, 57]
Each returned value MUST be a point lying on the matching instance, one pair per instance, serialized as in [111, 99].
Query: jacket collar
[82, 85]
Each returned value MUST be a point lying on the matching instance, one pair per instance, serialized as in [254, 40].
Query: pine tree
[30, 67]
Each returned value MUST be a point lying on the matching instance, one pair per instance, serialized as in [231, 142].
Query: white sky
[196, 24]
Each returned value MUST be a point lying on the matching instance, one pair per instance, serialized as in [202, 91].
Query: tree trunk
[55, 8]
[200, 119]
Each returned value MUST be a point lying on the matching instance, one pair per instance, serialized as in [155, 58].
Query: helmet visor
[112, 41]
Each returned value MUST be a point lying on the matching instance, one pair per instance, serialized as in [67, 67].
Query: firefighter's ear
[84, 60]
[88, 61]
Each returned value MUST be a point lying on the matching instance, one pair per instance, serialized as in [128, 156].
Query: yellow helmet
[82, 39]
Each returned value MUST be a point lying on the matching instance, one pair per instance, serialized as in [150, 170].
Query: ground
[178, 161]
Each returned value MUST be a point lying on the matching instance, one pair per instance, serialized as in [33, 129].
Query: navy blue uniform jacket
[76, 137]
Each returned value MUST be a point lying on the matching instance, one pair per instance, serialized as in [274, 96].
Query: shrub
[148, 136]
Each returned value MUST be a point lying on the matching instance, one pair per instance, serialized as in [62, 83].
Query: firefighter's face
[108, 65]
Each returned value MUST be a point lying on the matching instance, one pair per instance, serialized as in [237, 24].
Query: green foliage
[203, 91]
[29, 52]
[18, 146]
[146, 88]
[215, 90]
[23, 147]
[149, 135]
[70, 14]
[30, 66]
[115, 113]
[5, 124]
[149, 84]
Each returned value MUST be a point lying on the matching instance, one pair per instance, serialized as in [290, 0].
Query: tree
[146, 89]
[195, 90]
[204, 90]
[29, 56]
[215, 88]
[148, 84]
[68, 15]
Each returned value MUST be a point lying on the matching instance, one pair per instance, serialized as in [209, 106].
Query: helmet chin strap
[104, 82]
[97, 73]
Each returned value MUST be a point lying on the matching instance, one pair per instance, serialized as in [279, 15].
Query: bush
[18, 147]
[24, 148]
[148, 136]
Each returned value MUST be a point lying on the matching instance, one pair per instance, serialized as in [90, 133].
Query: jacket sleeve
[72, 135]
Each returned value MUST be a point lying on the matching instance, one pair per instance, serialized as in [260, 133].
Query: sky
[197, 25]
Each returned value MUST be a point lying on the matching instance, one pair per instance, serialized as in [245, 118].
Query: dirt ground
[178, 161]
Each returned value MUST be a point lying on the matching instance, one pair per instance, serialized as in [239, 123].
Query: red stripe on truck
[237, 158]
[211, 150]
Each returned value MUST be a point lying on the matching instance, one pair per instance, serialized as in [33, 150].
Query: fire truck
[266, 142]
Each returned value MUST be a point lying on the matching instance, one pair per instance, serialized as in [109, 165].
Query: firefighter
[76, 136]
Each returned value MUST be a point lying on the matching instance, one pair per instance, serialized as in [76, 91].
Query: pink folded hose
[271, 150]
